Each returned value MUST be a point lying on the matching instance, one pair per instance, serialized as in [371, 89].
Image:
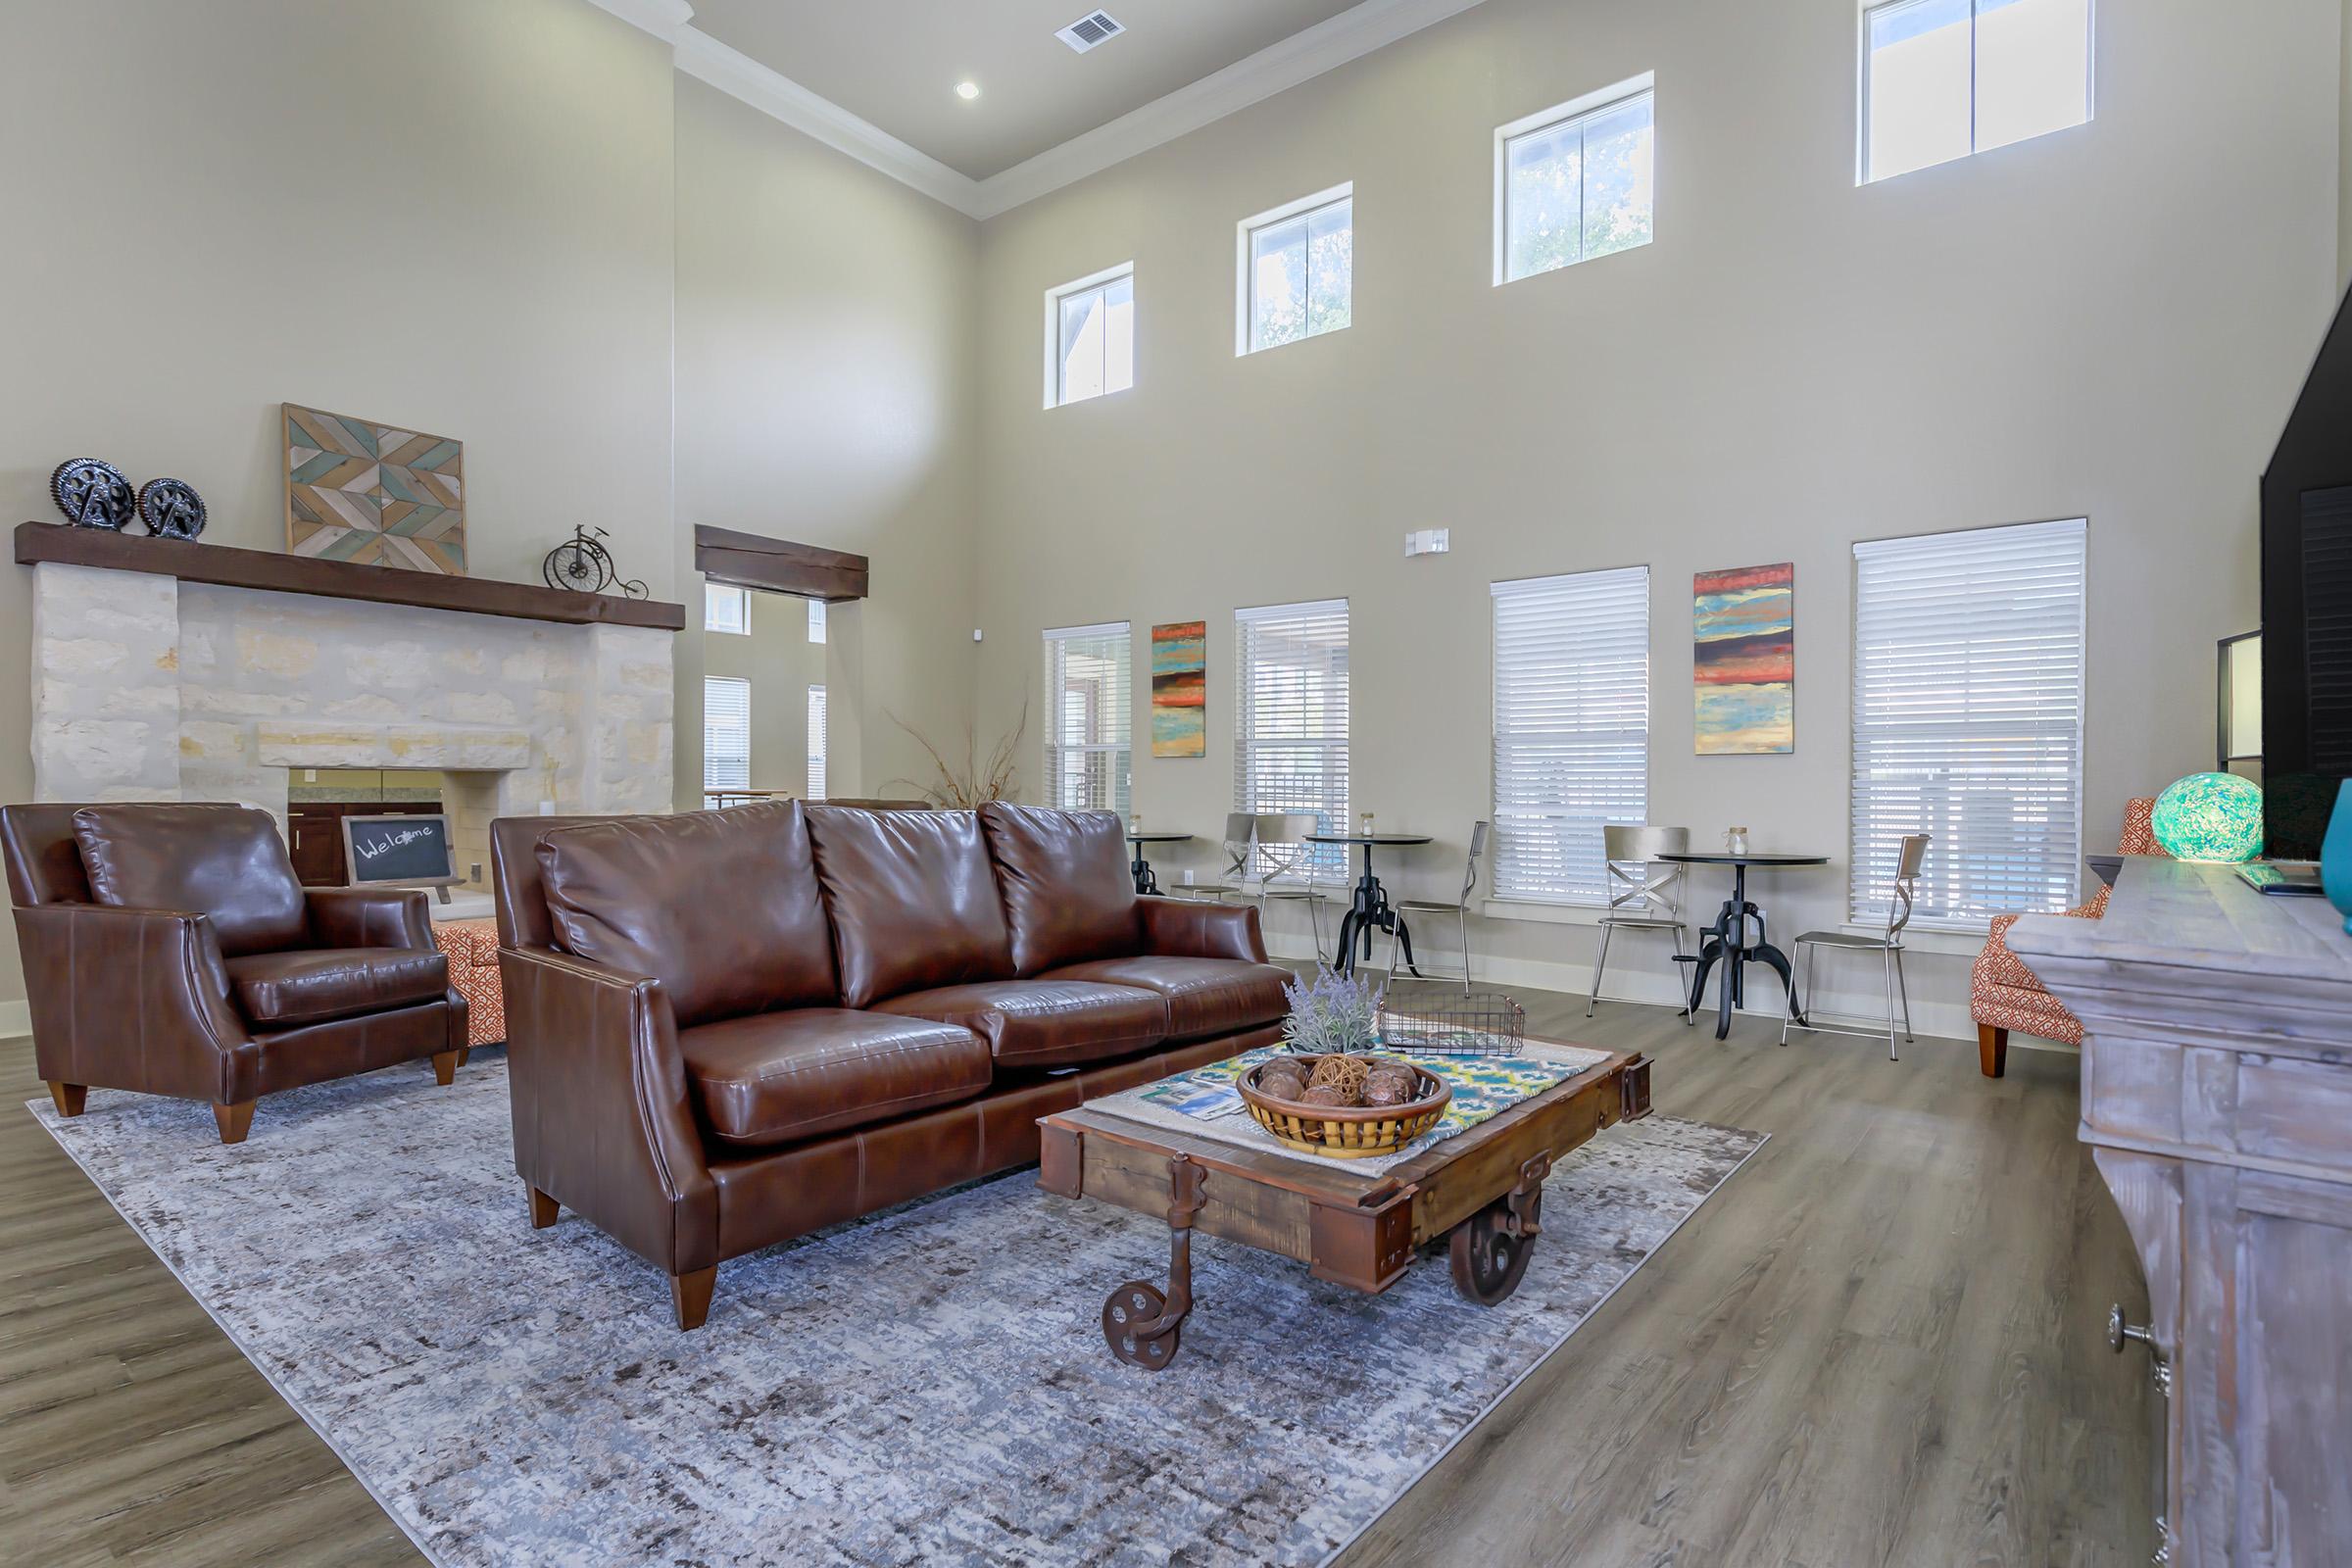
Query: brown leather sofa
[168, 949]
[726, 1029]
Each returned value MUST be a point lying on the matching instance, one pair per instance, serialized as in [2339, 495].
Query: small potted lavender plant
[1332, 1015]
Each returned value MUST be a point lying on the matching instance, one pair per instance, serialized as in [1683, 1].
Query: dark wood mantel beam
[778, 566]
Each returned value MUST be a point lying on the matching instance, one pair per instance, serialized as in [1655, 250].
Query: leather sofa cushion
[1204, 996]
[311, 984]
[720, 907]
[913, 901]
[225, 862]
[778, 1077]
[1069, 893]
[1045, 1023]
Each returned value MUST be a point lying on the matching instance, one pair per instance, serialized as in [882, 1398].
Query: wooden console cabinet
[2216, 1096]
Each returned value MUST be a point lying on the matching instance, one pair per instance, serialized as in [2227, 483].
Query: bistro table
[1727, 939]
[1144, 881]
[1370, 912]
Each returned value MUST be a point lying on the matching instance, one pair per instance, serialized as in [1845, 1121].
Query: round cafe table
[1727, 939]
[1371, 911]
[1144, 881]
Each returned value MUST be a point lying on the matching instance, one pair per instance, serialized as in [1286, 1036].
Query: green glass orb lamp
[2210, 816]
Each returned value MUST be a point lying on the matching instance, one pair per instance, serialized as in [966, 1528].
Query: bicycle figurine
[583, 564]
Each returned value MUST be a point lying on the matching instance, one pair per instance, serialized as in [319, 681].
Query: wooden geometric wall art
[373, 493]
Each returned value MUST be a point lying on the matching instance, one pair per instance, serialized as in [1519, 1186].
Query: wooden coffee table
[1480, 1192]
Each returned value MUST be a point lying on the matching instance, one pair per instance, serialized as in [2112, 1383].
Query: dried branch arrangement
[968, 781]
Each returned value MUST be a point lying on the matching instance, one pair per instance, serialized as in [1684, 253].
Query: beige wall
[825, 334]
[447, 214]
[2111, 322]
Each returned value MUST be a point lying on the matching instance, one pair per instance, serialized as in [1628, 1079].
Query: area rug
[926, 1385]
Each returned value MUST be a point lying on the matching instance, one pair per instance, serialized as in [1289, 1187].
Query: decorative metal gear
[171, 509]
[92, 494]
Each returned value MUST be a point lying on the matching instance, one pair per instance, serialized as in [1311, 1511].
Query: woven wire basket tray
[1448, 1023]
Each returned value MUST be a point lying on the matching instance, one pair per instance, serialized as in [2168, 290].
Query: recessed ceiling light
[968, 90]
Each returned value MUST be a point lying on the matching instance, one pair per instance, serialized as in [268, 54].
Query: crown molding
[1277, 67]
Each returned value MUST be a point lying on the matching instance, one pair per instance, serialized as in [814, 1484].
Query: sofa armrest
[1189, 928]
[133, 999]
[604, 1116]
[369, 917]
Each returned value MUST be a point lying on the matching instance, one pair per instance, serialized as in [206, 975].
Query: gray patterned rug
[928, 1386]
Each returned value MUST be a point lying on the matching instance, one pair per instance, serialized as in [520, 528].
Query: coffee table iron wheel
[1487, 1251]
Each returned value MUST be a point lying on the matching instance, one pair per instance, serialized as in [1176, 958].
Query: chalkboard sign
[398, 849]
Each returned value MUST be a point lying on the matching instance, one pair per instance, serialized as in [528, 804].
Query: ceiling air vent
[1088, 30]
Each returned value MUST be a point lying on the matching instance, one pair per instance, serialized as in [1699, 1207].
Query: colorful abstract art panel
[1180, 689]
[1743, 659]
[373, 493]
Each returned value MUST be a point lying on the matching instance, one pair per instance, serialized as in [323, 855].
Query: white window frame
[1940, 562]
[1871, 8]
[1060, 743]
[817, 747]
[1323, 862]
[1054, 298]
[715, 594]
[1607, 610]
[1614, 96]
[1246, 277]
[719, 774]
[819, 619]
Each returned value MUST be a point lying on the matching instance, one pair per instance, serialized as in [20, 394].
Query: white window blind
[1571, 728]
[1292, 744]
[817, 620]
[817, 743]
[727, 734]
[1088, 757]
[1968, 720]
[726, 608]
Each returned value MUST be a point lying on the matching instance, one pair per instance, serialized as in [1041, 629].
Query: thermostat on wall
[1427, 542]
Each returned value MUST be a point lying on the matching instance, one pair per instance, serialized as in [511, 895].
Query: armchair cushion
[1069, 892]
[1204, 996]
[311, 984]
[224, 861]
[720, 907]
[778, 1077]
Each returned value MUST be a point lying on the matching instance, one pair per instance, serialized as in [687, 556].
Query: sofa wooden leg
[445, 1065]
[1992, 1050]
[70, 1098]
[689, 1295]
[544, 1208]
[235, 1120]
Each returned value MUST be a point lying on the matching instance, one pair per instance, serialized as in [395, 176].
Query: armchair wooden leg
[1992, 1050]
[235, 1120]
[544, 1208]
[689, 1295]
[445, 1065]
[70, 1098]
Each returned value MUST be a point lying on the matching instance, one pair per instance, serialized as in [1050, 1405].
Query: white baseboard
[16, 1018]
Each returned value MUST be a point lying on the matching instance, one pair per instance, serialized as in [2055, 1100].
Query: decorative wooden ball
[1281, 1083]
[1386, 1091]
[1345, 1073]
[1331, 1095]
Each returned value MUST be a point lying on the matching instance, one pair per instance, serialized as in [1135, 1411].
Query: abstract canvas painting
[1180, 689]
[1743, 659]
[376, 494]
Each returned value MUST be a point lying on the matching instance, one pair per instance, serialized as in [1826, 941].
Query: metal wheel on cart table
[1137, 1304]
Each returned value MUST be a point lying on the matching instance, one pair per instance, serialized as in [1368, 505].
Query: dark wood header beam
[231, 567]
[778, 566]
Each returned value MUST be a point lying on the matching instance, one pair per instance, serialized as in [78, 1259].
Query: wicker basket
[1340, 1132]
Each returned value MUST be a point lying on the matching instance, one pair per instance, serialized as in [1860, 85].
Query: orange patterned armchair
[2002, 993]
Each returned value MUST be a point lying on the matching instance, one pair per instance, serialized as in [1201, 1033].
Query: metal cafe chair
[1641, 895]
[1888, 945]
[1241, 832]
[1459, 907]
[1289, 867]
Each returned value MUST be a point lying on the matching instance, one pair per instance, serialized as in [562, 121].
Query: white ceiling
[896, 65]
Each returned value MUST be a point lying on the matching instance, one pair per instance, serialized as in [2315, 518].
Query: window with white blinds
[817, 743]
[817, 620]
[1571, 728]
[1291, 751]
[1088, 757]
[1968, 720]
[727, 734]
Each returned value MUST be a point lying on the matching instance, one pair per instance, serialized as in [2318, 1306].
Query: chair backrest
[1240, 835]
[1281, 845]
[1478, 849]
[1629, 850]
[1908, 861]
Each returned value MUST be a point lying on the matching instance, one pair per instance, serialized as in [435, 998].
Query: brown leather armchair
[168, 949]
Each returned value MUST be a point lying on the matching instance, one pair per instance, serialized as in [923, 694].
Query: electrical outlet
[477, 871]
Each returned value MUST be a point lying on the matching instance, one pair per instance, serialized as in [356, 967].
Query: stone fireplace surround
[154, 688]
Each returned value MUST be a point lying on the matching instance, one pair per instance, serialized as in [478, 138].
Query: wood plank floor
[1882, 1343]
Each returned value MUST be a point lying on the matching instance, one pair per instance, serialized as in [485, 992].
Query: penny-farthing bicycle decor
[583, 564]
